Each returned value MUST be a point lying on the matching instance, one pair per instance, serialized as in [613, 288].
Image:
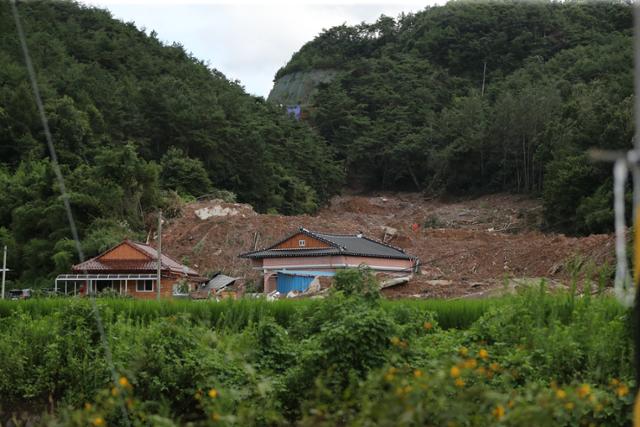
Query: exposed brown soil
[466, 247]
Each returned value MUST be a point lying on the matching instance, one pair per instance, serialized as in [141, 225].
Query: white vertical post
[4, 269]
[65, 288]
[158, 280]
[55, 286]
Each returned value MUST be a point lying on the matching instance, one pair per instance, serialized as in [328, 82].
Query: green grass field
[237, 314]
[351, 359]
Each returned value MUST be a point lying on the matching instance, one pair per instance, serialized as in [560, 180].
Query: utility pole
[484, 72]
[159, 254]
[4, 269]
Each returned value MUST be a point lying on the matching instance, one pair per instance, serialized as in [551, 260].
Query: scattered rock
[206, 213]
[462, 258]
[218, 208]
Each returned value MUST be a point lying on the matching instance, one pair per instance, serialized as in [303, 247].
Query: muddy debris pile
[466, 247]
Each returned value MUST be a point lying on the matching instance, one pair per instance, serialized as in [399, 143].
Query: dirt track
[465, 247]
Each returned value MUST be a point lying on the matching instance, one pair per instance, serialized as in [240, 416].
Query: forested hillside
[137, 124]
[464, 98]
[475, 97]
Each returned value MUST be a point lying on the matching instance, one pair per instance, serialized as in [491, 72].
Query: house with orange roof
[130, 269]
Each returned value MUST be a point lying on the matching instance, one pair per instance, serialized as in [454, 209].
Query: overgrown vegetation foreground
[350, 359]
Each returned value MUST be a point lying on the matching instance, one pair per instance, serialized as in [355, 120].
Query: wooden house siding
[166, 289]
[124, 252]
[309, 243]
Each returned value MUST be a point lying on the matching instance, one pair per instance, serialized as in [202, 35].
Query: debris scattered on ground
[395, 282]
[218, 208]
[466, 247]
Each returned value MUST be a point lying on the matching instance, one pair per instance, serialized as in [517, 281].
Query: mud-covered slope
[469, 97]
[464, 246]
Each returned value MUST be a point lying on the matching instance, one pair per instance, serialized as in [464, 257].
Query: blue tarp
[288, 281]
[295, 110]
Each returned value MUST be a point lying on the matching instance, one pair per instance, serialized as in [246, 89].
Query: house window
[301, 243]
[144, 285]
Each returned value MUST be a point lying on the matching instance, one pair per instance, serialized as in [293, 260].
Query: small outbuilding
[220, 285]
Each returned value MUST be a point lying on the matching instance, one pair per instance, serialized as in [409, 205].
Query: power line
[65, 197]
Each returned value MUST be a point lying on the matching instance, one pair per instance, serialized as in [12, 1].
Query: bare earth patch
[466, 247]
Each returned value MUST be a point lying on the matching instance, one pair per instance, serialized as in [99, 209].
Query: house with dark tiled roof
[296, 261]
[130, 268]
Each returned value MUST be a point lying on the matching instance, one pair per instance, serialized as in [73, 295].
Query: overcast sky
[248, 42]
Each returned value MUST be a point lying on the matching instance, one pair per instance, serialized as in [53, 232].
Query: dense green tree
[474, 97]
[132, 119]
[183, 174]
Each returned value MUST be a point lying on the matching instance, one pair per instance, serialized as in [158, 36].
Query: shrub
[358, 282]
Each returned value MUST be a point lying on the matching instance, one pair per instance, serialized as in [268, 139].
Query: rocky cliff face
[299, 87]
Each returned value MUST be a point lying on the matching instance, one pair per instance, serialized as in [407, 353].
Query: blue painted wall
[286, 283]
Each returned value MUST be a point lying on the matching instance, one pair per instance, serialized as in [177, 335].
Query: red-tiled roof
[167, 263]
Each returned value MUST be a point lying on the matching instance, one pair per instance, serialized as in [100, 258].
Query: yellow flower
[561, 394]
[584, 390]
[417, 373]
[614, 382]
[124, 382]
[88, 406]
[483, 354]
[463, 351]
[455, 372]
[213, 393]
[470, 363]
[495, 366]
[427, 326]
[98, 421]
[390, 375]
[215, 416]
[459, 382]
[622, 390]
[395, 340]
[510, 404]
[114, 391]
[408, 389]
[498, 412]
[481, 370]
[569, 406]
